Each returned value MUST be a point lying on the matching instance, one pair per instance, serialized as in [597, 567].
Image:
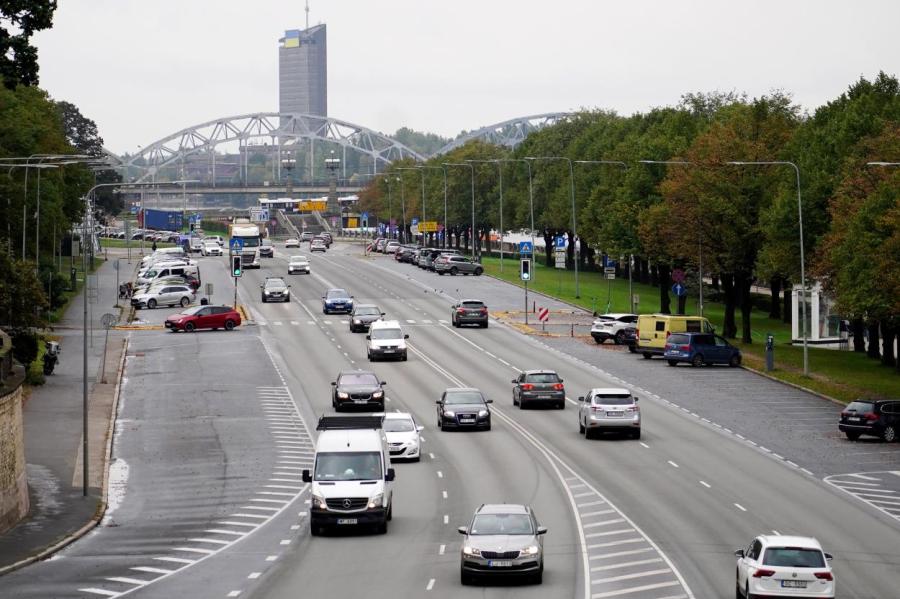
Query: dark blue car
[698, 349]
[337, 300]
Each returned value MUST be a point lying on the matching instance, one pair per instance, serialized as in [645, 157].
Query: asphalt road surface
[213, 430]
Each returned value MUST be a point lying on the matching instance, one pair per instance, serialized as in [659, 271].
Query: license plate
[615, 414]
[499, 563]
[347, 521]
[388, 351]
[467, 420]
[793, 584]
[360, 401]
[854, 419]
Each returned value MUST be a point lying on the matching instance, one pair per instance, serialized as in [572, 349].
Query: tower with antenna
[303, 70]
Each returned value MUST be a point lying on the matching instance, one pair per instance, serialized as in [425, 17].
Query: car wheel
[672, 362]
[484, 325]
[315, 530]
[598, 340]
[441, 273]
[588, 433]
[561, 405]
[515, 401]
[478, 271]
[390, 514]
[636, 434]
[889, 434]
[735, 361]
[454, 271]
[381, 528]
[580, 427]
[440, 423]
[151, 303]
[488, 427]
[697, 361]
[229, 325]
[620, 338]
[185, 302]
[538, 577]
[737, 592]
[404, 357]
[465, 578]
[189, 327]
[632, 349]
[852, 436]
[647, 355]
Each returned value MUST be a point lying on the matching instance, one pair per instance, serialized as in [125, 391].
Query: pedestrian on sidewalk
[153, 247]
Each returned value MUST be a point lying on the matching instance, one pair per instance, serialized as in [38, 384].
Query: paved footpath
[52, 418]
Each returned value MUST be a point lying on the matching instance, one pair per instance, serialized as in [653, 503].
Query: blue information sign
[237, 244]
[679, 289]
[526, 248]
[560, 243]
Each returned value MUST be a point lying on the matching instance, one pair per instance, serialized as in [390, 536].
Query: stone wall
[13, 482]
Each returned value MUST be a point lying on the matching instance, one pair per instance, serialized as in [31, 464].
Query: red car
[204, 317]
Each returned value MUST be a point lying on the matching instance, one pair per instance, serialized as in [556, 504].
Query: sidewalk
[52, 417]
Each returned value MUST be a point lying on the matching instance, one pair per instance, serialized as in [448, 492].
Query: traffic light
[525, 269]
[236, 266]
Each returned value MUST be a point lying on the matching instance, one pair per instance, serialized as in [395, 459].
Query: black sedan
[463, 407]
[357, 388]
[539, 386]
[364, 315]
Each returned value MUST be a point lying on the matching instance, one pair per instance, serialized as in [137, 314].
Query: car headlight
[319, 502]
[342, 395]
[378, 395]
[530, 550]
[449, 413]
[482, 413]
[470, 551]
[376, 501]
[357, 321]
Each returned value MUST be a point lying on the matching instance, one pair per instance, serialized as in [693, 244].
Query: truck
[252, 238]
[161, 220]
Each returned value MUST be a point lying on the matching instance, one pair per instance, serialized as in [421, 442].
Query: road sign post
[107, 320]
[525, 275]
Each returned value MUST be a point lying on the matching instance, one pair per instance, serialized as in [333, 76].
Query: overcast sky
[144, 69]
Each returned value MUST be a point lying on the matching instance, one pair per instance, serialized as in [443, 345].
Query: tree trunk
[654, 275]
[714, 282]
[729, 328]
[786, 304]
[743, 282]
[643, 270]
[858, 330]
[570, 251]
[888, 334]
[775, 304]
[873, 350]
[665, 304]
[682, 303]
[548, 247]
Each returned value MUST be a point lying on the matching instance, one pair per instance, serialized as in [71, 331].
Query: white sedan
[292, 243]
[402, 434]
[298, 264]
[211, 248]
[784, 566]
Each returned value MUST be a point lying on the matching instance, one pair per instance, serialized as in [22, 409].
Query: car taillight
[558, 387]
[484, 310]
[763, 573]
[596, 408]
[637, 332]
[460, 311]
[823, 575]
[684, 347]
[668, 333]
[872, 416]
[527, 387]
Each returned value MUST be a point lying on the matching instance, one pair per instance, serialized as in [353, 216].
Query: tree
[22, 298]
[19, 19]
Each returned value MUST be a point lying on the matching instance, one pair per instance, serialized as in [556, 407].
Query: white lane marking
[646, 587]
[151, 570]
[127, 580]
[643, 574]
[175, 560]
[234, 593]
[444, 493]
[194, 550]
[604, 523]
[95, 591]
[598, 513]
[210, 541]
[673, 464]
[446, 519]
[431, 455]
[640, 562]
[294, 322]
[295, 527]
[740, 507]
[441, 549]
[284, 542]
[271, 558]
[644, 445]
[254, 575]
[621, 553]
[616, 543]
[440, 474]
[430, 585]
[706, 484]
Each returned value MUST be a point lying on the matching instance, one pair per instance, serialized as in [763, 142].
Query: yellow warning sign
[428, 226]
[311, 205]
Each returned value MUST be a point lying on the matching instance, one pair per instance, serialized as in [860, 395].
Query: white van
[386, 340]
[172, 253]
[167, 269]
[352, 479]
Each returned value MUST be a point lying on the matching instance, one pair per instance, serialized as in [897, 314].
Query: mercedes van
[352, 479]
[386, 340]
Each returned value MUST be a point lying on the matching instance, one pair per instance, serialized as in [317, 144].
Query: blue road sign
[526, 248]
[679, 289]
[237, 244]
[560, 243]
[364, 215]
[134, 209]
[415, 222]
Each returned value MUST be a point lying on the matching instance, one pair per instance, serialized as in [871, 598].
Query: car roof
[349, 440]
[386, 324]
[463, 301]
[352, 371]
[539, 371]
[299, 256]
[335, 289]
[461, 389]
[790, 541]
[615, 315]
[610, 391]
[502, 508]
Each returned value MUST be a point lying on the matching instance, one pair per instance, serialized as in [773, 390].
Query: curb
[550, 297]
[102, 505]
[139, 327]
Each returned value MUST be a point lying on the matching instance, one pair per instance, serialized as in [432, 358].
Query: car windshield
[368, 311]
[358, 378]
[860, 406]
[613, 400]
[542, 377]
[473, 304]
[192, 311]
[398, 425]
[501, 524]
[678, 339]
[298, 259]
[386, 334]
[348, 465]
[463, 397]
[336, 294]
[274, 283]
[794, 557]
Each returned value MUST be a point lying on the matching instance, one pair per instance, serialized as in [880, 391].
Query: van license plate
[499, 563]
[793, 584]
[347, 520]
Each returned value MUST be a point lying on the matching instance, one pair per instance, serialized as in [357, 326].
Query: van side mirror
[489, 401]
[463, 530]
[542, 530]
[390, 475]
[333, 383]
[636, 399]
[368, 337]
[828, 556]
[739, 553]
[581, 398]
[306, 477]
[383, 383]
[406, 336]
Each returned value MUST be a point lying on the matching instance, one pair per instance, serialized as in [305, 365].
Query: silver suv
[455, 265]
[611, 410]
[502, 540]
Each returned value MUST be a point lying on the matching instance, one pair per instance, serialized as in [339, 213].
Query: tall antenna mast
[307, 14]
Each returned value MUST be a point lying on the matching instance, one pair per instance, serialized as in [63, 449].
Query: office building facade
[303, 71]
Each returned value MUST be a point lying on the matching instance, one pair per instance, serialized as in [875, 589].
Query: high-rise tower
[303, 71]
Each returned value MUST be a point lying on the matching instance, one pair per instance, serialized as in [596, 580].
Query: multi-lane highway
[215, 428]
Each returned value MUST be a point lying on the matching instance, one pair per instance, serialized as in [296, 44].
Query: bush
[25, 347]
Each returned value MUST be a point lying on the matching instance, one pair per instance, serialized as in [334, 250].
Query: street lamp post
[499, 164]
[802, 261]
[422, 173]
[444, 172]
[472, 168]
[575, 252]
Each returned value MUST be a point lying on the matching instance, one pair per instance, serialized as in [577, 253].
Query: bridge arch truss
[507, 133]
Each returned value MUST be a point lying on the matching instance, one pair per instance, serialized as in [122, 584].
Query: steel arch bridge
[284, 131]
[508, 133]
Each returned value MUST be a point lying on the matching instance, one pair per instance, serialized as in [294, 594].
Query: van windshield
[386, 334]
[355, 465]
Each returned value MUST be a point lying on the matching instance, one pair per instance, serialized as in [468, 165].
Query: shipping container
[161, 220]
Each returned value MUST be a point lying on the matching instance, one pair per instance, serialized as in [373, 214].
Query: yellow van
[654, 329]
